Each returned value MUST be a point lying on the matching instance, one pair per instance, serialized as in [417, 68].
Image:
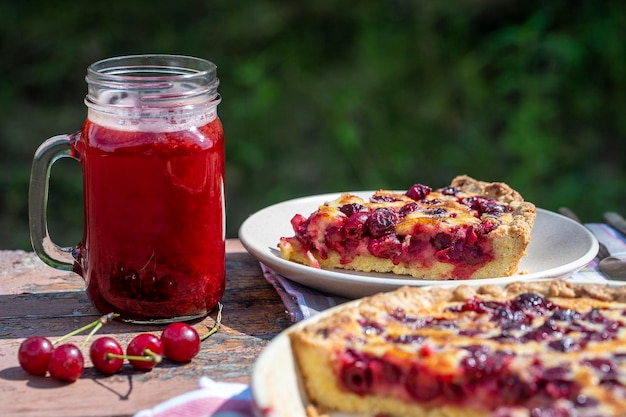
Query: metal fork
[615, 264]
[616, 221]
[613, 267]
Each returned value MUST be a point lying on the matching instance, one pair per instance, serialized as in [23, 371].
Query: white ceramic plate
[558, 247]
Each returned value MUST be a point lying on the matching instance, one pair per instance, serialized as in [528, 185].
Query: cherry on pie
[467, 230]
[530, 349]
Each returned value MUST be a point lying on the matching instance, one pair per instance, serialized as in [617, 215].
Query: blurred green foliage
[324, 96]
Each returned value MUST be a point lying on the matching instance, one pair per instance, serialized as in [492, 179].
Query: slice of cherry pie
[531, 349]
[470, 229]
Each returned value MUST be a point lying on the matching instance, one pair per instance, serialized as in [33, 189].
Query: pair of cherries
[179, 342]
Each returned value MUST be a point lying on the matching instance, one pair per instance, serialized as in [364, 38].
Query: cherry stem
[96, 324]
[217, 324]
[155, 356]
[149, 356]
[97, 327]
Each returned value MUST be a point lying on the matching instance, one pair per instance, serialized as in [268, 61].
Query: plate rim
[295, 271]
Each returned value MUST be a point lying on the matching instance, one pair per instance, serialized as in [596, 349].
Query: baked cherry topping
[463, 254]
[473, 304]
[443, 240]
[352, 208]
[533, 303]
[549, 330]
[382, 222]
[595, 316]
[511, 319]
[438, 211]
[407, 339]
[449, 190]
[385, 372]
[299, 223]
[356, 375]
[482, 362]
[408, 208]
[354, 227]
[564, 314]
[606, 367]
[422, 384]
[378, 198]
[566, 344]
[370, 326]
[388, 246]
[487, 226]
[431, 201]
[333, 237]
[418, 191]
[415, 323]
[484, 205]
[555, 411]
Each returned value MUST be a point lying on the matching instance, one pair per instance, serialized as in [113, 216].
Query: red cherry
[100, 354]
[34, 355]
[181, 342]
[145, 344]
[66, 363]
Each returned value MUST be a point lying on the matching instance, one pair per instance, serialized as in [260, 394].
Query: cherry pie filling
[360, 229]
[490, 375]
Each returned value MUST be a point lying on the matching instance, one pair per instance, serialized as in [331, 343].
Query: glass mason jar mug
[152, 157]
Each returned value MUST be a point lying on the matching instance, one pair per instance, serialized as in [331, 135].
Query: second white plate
[558, 248]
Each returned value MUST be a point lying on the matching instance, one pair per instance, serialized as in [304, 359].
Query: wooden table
[38, 300]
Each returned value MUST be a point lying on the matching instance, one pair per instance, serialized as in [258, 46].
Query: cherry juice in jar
[153, 246]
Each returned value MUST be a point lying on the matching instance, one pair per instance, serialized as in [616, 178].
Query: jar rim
[153, 67]
[151, 80]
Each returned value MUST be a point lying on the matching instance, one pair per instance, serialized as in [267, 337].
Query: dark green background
[324, 96]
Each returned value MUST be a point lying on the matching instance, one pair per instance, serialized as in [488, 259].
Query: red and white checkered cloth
[214, 399]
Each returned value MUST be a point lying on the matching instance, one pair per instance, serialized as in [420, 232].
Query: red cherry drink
[154, 218]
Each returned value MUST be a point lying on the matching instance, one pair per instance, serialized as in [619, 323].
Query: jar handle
[48, 153]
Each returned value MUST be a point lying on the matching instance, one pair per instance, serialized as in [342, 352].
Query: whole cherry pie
[531, 349]
[469, 229]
